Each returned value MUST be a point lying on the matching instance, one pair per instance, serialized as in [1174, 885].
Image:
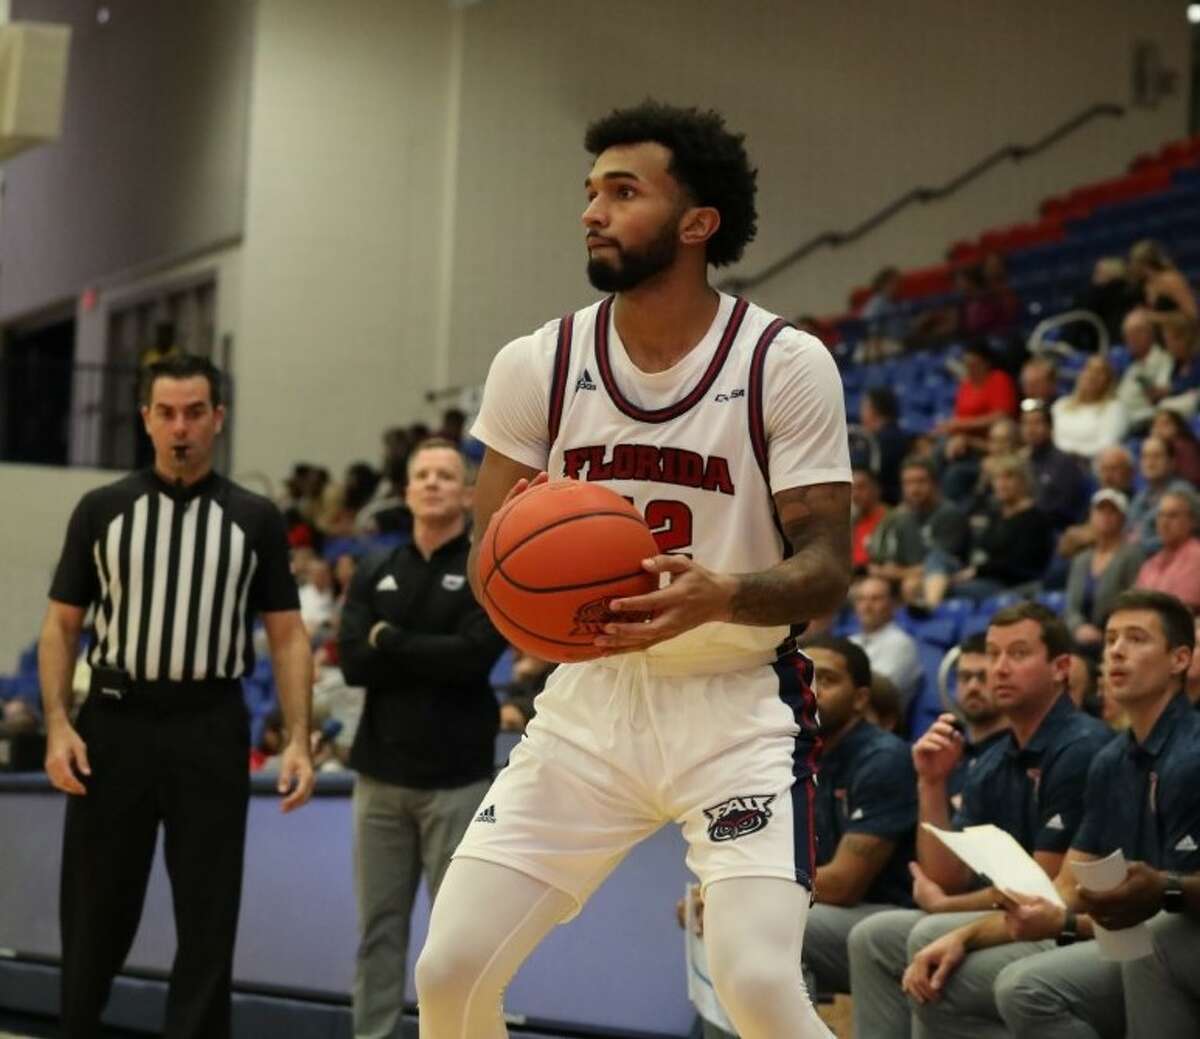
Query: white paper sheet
[995, 853]
[1130, 943]
[699, 981]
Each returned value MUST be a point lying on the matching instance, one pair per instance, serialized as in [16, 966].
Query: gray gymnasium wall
[151, 164]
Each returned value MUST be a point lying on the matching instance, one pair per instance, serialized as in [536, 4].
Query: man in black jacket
[413, 634]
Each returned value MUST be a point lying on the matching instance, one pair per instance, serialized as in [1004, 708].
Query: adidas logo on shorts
[488, 815]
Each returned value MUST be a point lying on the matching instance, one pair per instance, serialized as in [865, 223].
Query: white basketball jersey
[690, 447]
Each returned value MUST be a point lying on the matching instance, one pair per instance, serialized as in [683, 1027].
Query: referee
[174, 560]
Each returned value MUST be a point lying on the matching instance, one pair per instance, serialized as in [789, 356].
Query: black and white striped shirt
[175, 575]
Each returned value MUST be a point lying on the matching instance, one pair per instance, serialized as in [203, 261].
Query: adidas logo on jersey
[1187, 844]
[488, 815]
[585, 381]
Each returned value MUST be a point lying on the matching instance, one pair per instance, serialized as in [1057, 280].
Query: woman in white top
[1091, 418]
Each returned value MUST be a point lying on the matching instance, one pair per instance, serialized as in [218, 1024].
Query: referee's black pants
[175, 754]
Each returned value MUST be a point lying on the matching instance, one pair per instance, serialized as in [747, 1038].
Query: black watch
[1173, 898]
[1069, 934]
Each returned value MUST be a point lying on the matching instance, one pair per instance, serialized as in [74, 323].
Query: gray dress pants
[399, 832]
[1163, 990]
[1074, 993]
[880, 949]
[825, 955]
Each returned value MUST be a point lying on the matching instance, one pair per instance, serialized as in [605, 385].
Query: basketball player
[726, 428]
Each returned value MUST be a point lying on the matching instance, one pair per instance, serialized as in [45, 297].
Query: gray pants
[1069, 993]
[880, 949]
[398, 833]
[1165, 988]
[1075, 993]
[826, 960]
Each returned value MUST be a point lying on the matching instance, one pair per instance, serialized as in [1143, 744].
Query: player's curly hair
[708, 160]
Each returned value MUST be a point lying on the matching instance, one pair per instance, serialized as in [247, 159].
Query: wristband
[1174, 900]
[1069, 934]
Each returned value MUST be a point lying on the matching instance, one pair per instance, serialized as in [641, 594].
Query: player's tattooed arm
[858, 860]
[814, 580]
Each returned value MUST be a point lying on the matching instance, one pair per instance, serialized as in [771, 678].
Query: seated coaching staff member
[413, 634]
[174, 559]
[866, 811]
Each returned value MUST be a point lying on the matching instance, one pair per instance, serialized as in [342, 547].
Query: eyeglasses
[1033, 404]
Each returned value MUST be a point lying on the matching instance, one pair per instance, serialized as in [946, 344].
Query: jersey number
[671, 524]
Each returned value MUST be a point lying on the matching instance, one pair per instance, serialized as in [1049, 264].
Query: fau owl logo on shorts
[739, 816]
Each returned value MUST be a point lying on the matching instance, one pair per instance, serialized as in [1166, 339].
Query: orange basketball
[551, 561]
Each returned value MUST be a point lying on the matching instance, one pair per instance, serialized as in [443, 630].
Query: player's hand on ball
[694, 596]
[522, 485]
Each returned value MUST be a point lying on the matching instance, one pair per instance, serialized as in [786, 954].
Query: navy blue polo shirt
[867, 785]
[972, 752]
[1036, 792]
[1145, 798]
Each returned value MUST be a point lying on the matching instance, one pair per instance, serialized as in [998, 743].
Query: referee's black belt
[118, 690]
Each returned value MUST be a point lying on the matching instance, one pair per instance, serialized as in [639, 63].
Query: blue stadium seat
[1056, 601]
[501, 673]
[926, 705]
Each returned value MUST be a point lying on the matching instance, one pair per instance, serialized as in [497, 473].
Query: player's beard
[632, 268]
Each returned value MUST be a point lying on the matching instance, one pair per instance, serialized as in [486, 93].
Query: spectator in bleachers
[1157, 464]
[1004, 306]
[867, 512]
[317, 601]
[1102, 572]
[865, 812]
[1164, 288]
[1170, 426]
[1114, 471]
[1012, 550]
[1083, 683]
[892, 651]
[1092, 417]
[1061, 485]
[1175, 568]
[922, 524]
[1148, 377]
[1110, 296]
[518, 699]
[1039, 380]
[985, 306]
[1029, 782]
[884, 708]
[16, 716]
[879, 414]
[967, 481]
[343, 503]
[1181, 339]
[386, 512]
[985, 394]
[887, 325]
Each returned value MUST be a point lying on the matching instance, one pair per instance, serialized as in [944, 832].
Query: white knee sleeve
[486, 920]
[754, 932]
